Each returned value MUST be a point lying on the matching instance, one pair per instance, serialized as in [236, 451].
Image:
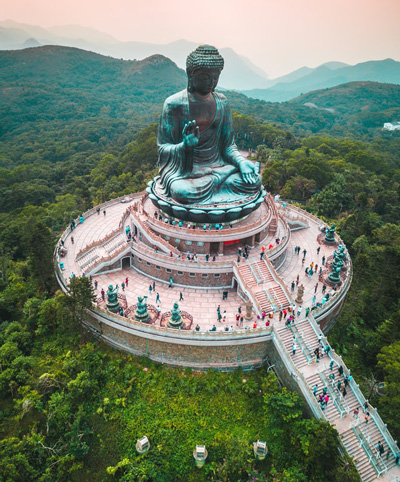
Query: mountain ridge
[384, 71]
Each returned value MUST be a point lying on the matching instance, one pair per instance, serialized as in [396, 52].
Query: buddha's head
[203, 68]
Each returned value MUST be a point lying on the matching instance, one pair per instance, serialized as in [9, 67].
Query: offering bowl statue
[201, 168]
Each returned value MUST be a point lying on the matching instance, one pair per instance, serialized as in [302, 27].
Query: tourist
[72, 240]
[314, 299]
[181, 296]
[241, 321]
[121, 312]
[317, 354]
[261, 256]
[346, 381]
[344, 392]
[284, 314]
[340, 370]
[327, 349]
[158, 298]
[307, 311]
[104, 212]
[355, 412]
[207, 257]
[315, 268]
[255, 325]
[293, 285]
[339, 385]
[326, 399]
[123, 286]
[299, 310]
[154, 285]
[318, 249]
[294, 348]
[366, 418]
[224, 295]
[224, 317]
[197, 327]
[331, 364]
[323, 260]
[126, 282]
[304, 253]
[315, 390]
[95, 284]
[103, 294]
[316, 287]
[323, 289]
[214, 328]
[365, 407]
[280, 315]
[214, 258]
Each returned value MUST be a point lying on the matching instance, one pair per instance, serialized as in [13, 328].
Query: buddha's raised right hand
[191, 135]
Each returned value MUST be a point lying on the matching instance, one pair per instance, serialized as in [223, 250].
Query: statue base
[205, 213]
[142, 318]
[113, 307]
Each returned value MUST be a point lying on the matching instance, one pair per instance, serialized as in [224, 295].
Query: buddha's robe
[209, 173]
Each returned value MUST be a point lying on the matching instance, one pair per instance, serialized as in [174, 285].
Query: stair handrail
[303, 346]
[332, 394]
[250, 265]
[297, 376]
[375, 458]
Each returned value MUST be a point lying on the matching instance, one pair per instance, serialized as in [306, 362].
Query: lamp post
[200, 454]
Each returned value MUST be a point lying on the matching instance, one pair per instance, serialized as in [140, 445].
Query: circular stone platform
[201, 270]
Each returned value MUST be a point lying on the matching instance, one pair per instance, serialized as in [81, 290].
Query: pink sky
[277, 35]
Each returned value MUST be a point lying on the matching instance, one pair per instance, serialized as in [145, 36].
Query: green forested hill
[369, 104]
[73, 101]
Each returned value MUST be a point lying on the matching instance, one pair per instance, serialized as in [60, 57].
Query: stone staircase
[260, 279]
[358, 438]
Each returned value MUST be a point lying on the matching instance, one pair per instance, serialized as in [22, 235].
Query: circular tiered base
[204, 213]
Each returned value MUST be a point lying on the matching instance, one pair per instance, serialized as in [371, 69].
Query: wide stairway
[261, 281]
[359, 438]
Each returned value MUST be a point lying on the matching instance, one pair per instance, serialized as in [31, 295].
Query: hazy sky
[277, 35]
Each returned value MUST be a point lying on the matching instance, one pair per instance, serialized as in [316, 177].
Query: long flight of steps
[352, 444]
[305, 336]
[320, 377]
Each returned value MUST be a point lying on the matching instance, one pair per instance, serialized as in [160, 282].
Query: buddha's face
[204, 81]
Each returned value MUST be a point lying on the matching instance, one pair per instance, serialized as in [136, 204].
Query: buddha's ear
[190, 84]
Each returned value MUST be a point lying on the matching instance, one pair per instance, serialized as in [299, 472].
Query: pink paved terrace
[200, 282]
